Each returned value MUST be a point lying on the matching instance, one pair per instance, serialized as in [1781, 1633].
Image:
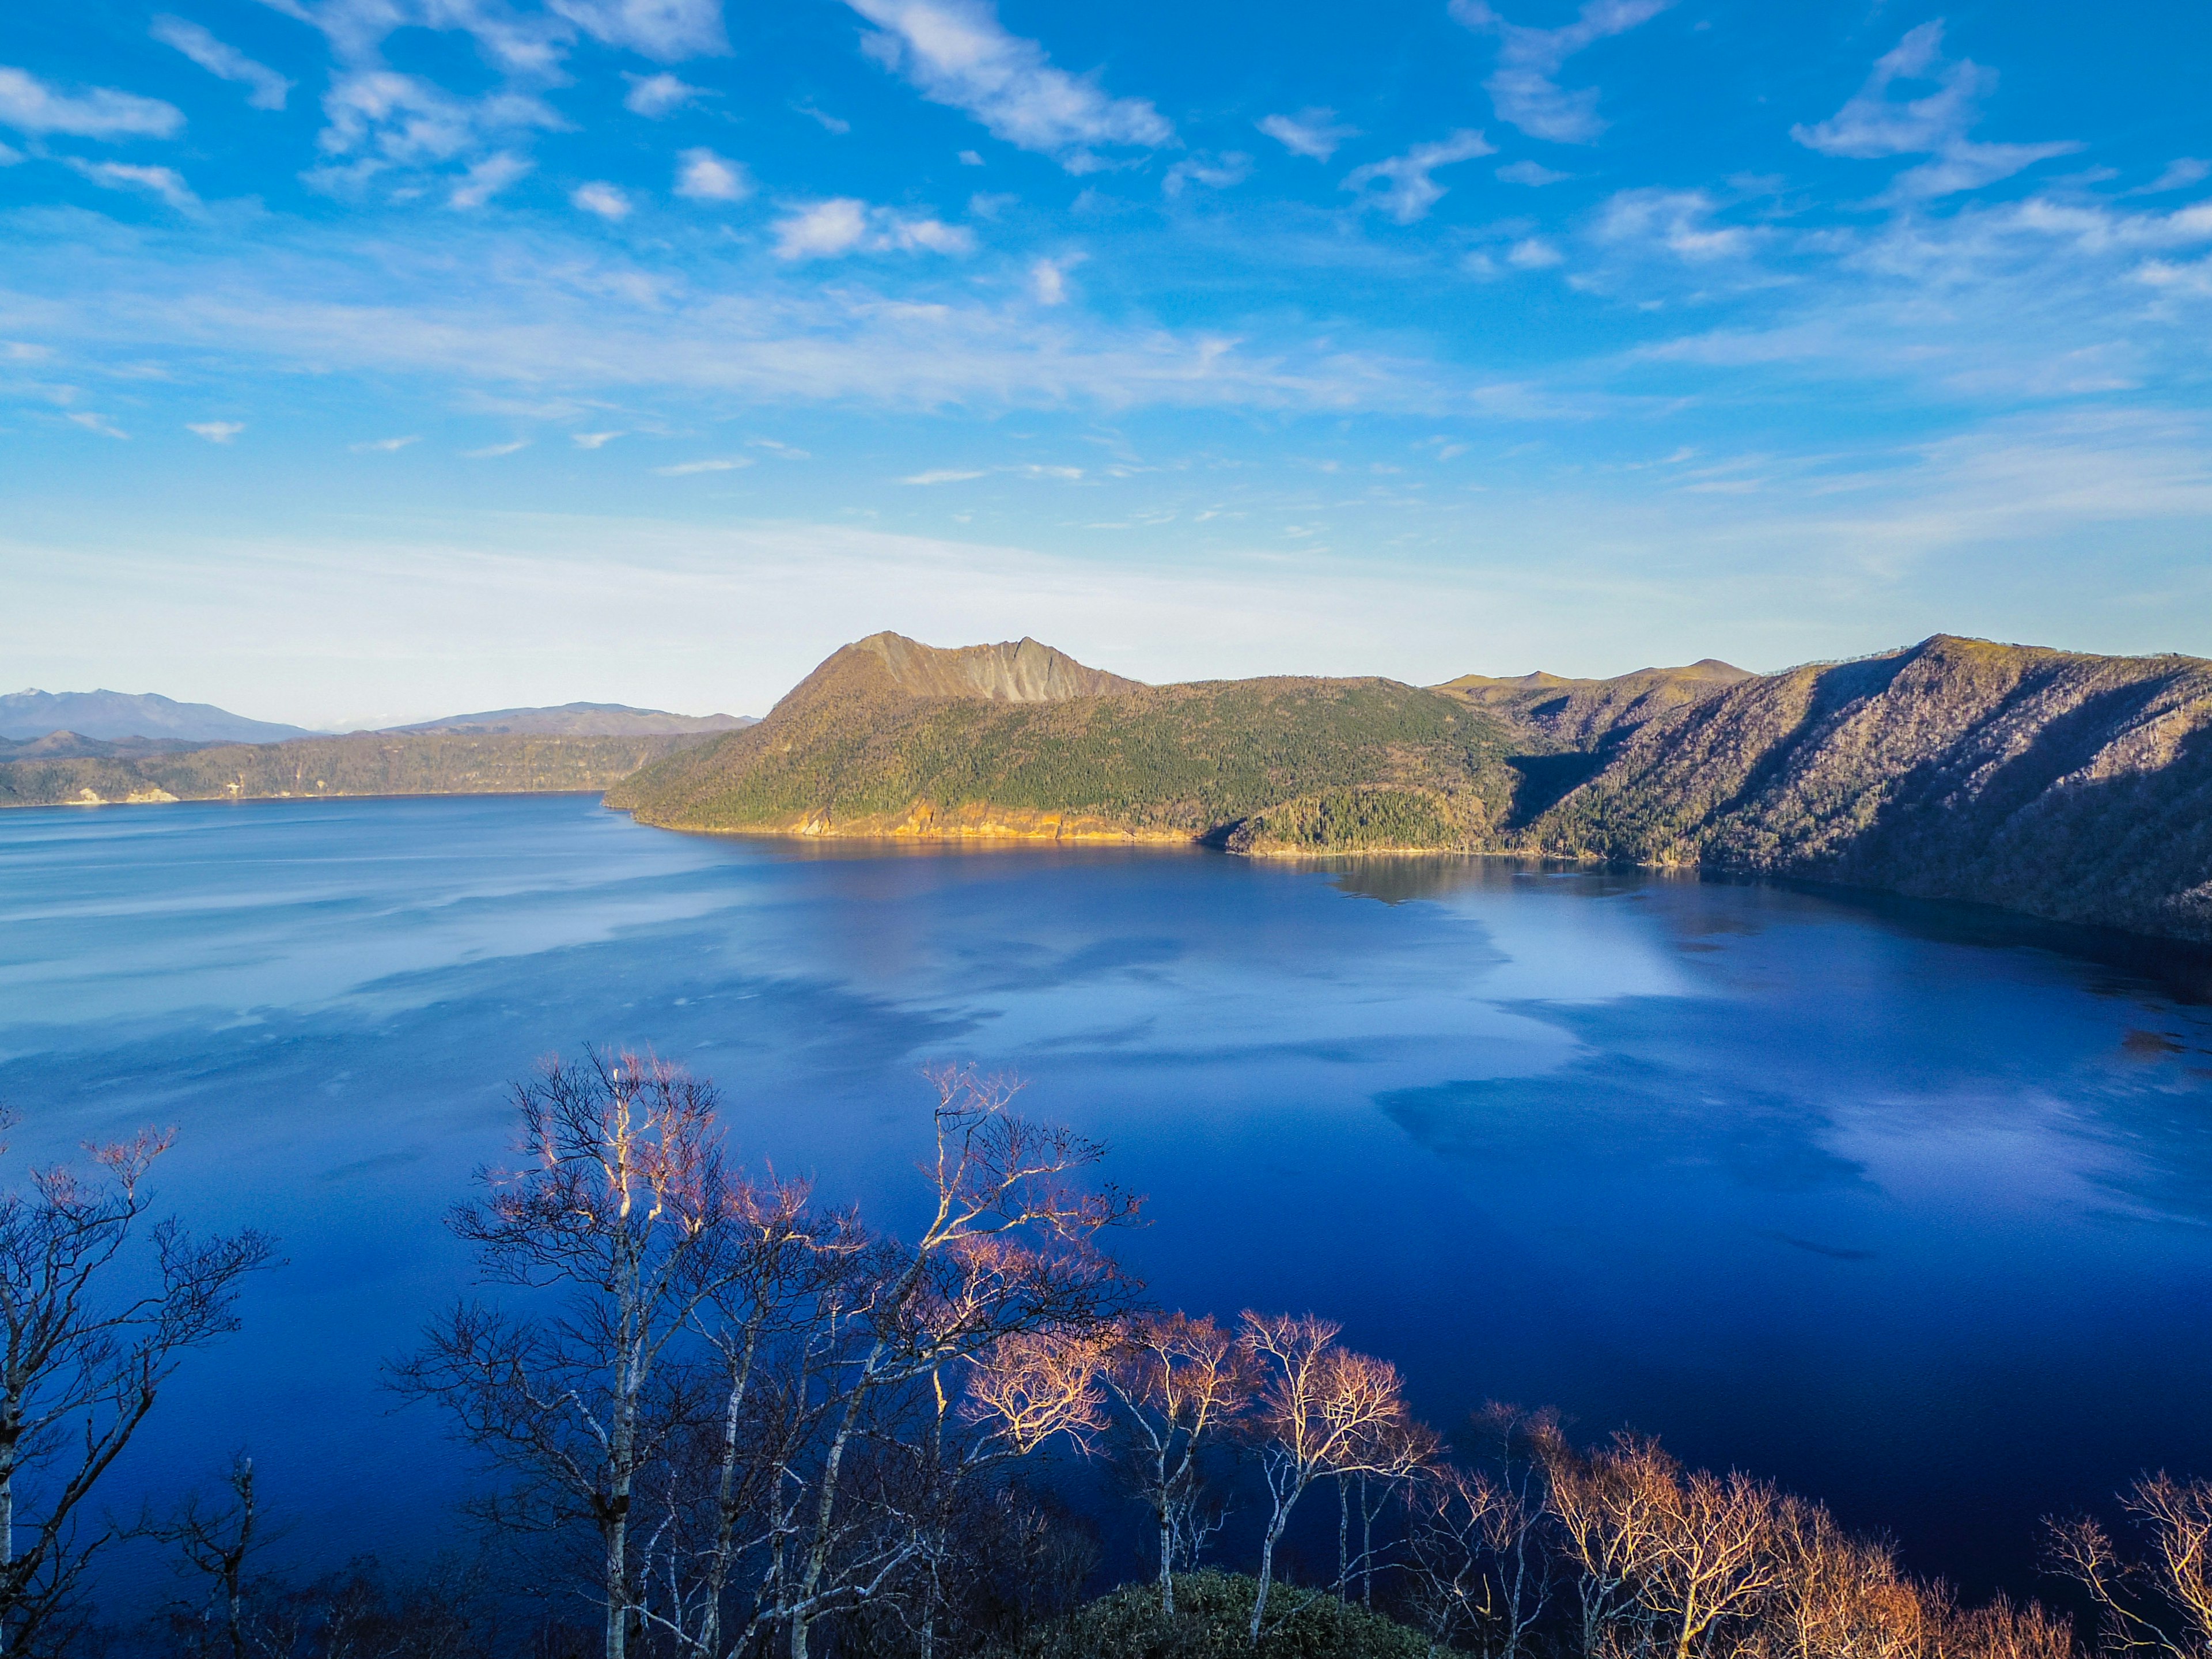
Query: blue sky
[372, 359]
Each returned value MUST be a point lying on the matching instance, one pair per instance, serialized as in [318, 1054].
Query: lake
[1906, 1206]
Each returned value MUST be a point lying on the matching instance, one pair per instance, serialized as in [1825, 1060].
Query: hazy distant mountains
[112, 714]
[2072, 787]
[578, 720]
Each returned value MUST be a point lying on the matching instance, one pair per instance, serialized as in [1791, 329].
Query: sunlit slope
[889, 736]
[365, 764]
[2073, 786]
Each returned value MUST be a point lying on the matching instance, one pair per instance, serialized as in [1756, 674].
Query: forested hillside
[891, 738]
[365, 764]
[2072, 787]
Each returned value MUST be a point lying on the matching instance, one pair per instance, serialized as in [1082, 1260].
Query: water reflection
[1904, 1204]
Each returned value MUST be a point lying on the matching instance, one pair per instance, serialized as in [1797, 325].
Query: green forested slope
[2073, 786]
[365, 764]
[852, 751]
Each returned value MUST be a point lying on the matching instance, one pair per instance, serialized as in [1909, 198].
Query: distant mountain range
[87, 724]
[576, 720]
[114, 715]
[2072, 787]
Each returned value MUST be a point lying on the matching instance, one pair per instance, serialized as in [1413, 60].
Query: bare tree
[1324, 1411]
[1682, 1553]
[621, 1209]
[218, 1540]
[1007, 1253]
[1178, 1382]
[2162, 1604]
[92, 1334]
[1476, 1542]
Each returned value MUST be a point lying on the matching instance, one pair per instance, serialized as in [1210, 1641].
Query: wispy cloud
[655, 95]
[1679, 221]
[685, 469]
[1534, 174]
[215, 432]
[941, 476]
[492, 452]
[386, 445]
[1214, 171]
[845, 225]
[100, 423]
[957, 52]
[268, 89]
[1525, 88]
[592, 439]
[667, 30]
[823, 118]
[703, 176]
[1048, 278]
[165, 182]
[378, 119]
[1315, 133]
[1407, 191]
[29, 105]
[487, 178]
[606, 200]
[1873, 125]
[2179, 175]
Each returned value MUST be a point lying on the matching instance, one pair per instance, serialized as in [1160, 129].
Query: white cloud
[1525, 88]
[956, 52]
[601, 197]
[219, 58]
[1048, 278]
[1873, 126]
[165, 182]
[1534, 174]
[829, 123]
[655, 95]
[1408, 192]
[491, 451]
[487, 178]
[1214, 173]
[1679, 221]
[98, 423]
[704, 176]
[968, 158]
[592, 439]
[944, 475]
[386, 445]
[2179, 175]
[665, 30]
[1311, 132]
[29, 105]
[685, 469]
[844, 224]
[384, 120]
[216, 432]
[1533, 253]
[11, 156]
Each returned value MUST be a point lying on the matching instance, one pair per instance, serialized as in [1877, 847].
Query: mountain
[110, 715]
[364, 763]
[2073, 786]
[892, 738]
[1579, 713]
[580, 720]
[74, 745]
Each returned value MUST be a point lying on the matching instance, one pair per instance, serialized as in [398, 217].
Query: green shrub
[1212, 1621]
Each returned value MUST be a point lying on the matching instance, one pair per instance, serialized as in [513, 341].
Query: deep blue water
[1904, 1206]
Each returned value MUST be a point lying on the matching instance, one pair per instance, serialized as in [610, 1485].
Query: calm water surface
[1905, 1207]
